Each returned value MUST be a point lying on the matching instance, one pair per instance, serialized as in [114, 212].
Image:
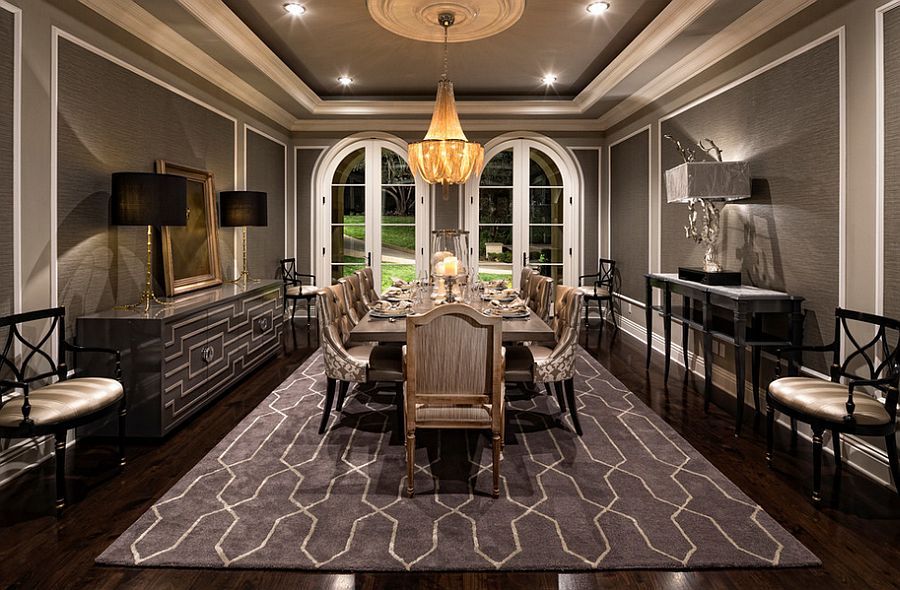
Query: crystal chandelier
[445, 156]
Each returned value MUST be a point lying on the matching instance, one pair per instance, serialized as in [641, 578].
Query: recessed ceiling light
[295, 8]
[345, 80]
[549, 79]
[597, 7]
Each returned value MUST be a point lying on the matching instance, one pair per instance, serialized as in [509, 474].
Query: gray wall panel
[265, 172]
[446, 213]
[589, 161]
[786, 123]
[7, 51]
[629, 178]
[306, 162]
[111, 119]
[892, 163]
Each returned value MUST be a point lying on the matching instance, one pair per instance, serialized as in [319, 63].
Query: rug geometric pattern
[629, 493]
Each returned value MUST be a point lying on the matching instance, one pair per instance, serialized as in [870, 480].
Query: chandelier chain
[446, 26]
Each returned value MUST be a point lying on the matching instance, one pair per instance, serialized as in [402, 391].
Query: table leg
[796, 358]
[686, 304]
[707, 353]
[667, 330]
[757, 352]
[740, 327]
[649, 319]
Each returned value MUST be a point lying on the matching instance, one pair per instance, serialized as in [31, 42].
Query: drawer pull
[207, 353]
[263, 323]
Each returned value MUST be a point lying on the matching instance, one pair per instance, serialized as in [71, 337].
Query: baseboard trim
[24, 455]
[864, 457]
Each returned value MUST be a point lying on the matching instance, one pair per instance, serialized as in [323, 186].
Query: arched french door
[373, 212]
[523, 211]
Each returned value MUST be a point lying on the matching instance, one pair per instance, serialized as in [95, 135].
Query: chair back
[525, 282]
[541, 295]
[35, 363]
[875, 353]
[368, 285]
[363, 288]
[353, 298]
[606, 273]
[287, 270]
[560, 365]
[453, 356]
[332, 312]
[334, 331]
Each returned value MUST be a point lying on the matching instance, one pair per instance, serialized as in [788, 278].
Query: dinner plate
[391, 313]
[508, 314]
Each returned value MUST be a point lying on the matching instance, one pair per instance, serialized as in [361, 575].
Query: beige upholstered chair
[539, 364]
[371, 292]
[525, 285]
[871, 359]
[65, 403]
[353, 298]
[365, 293]
[344, 364]
[540, 296]
[454, 377]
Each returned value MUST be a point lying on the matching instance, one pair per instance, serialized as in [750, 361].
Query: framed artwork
[191, 253]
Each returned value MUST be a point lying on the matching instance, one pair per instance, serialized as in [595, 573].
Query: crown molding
[758, 20]
[674, 19]
[146, 27]
[421, 125]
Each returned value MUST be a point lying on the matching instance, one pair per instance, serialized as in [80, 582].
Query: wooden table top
[370, 329]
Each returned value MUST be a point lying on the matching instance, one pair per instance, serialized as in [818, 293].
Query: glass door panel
[546, 206]
[398, 220]
[495, 218]
[348, 216]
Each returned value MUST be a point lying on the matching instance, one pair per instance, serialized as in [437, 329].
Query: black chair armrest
[14, 385]
[801, 348]
[305, 275]
[77, 348]
[595, 275]
[879, 383]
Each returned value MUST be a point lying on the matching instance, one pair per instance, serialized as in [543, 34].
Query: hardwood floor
[857, 538]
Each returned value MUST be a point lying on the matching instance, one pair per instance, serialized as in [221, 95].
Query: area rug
[629, 493]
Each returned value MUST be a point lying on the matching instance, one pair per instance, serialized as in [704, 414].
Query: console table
[177, 358]
[747, 306]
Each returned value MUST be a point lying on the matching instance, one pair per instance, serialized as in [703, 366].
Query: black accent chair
[53, 408]
[599, 287]
[296, 288]
[870, 361]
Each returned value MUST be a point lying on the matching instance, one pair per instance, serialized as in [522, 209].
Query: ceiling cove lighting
[345, 80]
[549, 79]
[597, 7]
[295, 9]
[445, 156]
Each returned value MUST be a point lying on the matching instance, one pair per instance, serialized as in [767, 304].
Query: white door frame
[328, 163]
[521, 143]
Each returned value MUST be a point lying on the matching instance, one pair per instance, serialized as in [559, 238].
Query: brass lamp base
[147, 295]
[244, 277]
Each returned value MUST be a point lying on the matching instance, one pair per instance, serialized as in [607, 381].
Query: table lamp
[240, 209]
[145, 198]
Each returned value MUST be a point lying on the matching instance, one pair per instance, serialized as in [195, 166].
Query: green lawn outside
[399, 237]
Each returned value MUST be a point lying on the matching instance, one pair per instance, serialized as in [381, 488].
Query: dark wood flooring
[857, 538]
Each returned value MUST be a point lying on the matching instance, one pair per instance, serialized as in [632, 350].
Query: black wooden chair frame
[58, 369]
[291, 278]
[604, 278]
[883, 364]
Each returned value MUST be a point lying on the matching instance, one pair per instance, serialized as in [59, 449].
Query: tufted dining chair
[453, 361]
[346, 364]
[525, 285]
[354, 305]
[371, 292]
[871, 359]
[540, 364]
[365, 293]
[540, 296]
[49, 401]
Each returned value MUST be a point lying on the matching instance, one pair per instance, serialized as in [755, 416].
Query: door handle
[369, 258]
[524, 258]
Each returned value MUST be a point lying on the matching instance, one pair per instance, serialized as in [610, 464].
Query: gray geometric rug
[630, 493]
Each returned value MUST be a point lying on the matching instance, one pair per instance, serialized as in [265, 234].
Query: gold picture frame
[191, 252]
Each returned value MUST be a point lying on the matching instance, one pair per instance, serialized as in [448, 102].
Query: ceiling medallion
[475, 19]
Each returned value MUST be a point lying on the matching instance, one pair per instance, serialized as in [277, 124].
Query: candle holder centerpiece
[449, 260]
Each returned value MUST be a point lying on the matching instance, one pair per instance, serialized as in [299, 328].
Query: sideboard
[177, 358]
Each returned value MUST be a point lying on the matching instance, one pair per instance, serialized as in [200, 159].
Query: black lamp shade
[145, 198]
[242, 208]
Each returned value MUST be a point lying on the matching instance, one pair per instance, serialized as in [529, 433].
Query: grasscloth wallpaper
[589, 161]
[629, 194]
[892, 162]
[265, 172]
[7, 65]
[786, 123]
[306, 161]
[110, 120]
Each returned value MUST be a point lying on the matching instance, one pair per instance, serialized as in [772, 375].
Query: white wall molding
[420, 125]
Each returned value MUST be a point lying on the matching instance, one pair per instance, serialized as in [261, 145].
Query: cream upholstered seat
[302, 291]
[39, 408]
[539, 364]
[346, 364]
[844, 407]
[454, 377]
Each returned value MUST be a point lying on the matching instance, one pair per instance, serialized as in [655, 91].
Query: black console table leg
[740, 353]
[649, 319]
[757, 353]
[667, 329]
[686, 305]
[707, 354]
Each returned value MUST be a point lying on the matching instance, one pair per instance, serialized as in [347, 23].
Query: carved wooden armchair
[37, 395]
[297, 286]
[841, 405]
[453, 362]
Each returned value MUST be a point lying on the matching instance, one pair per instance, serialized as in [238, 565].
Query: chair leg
[496, 449]
[123, 412]
[293, 309]
[602, 319]
[793, 434]
[560, 396]
[410, 461]
[345, 385]
[817, 464]
[836, 444]
[890, 442]
[308, 301]
[587, 322]
[60, 446]
[770, 432]
[401, 402]
[547, 388]
[570, 398]
[329, 398]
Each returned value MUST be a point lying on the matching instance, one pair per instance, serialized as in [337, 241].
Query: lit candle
[439, 268]
[450, 266]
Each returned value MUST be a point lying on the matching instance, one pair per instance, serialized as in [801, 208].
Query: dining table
[530, 329]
